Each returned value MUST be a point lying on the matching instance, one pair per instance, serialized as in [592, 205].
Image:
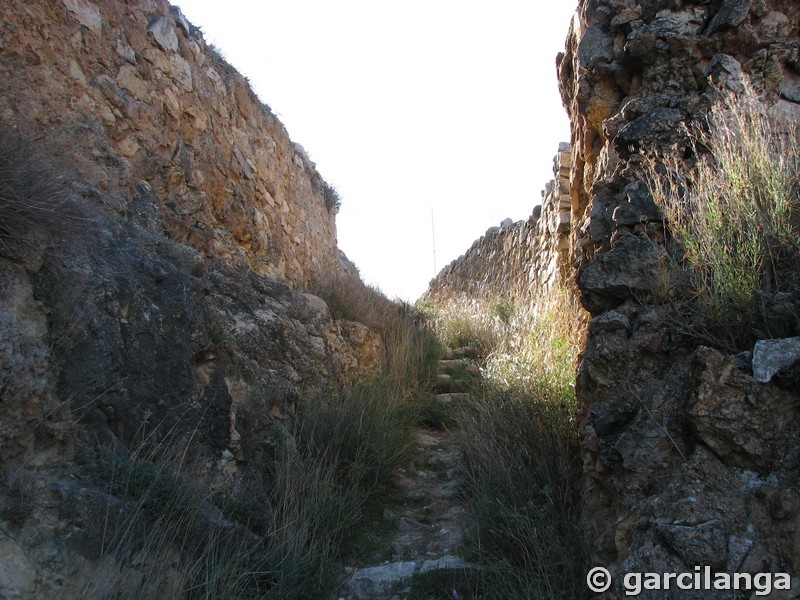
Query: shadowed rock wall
[688, 460]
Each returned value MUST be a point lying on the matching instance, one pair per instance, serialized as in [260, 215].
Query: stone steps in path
[457, 372]
[428, 524]
[427, 527]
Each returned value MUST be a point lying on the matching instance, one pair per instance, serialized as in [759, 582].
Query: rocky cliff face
[159, 234]
[523, 260]
[688, 459]
[131, 93]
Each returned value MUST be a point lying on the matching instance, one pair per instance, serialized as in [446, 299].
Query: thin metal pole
[433, 235]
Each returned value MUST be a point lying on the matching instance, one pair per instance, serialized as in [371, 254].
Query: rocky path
[422, 553]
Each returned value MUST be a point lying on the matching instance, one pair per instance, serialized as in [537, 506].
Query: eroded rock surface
[689, 455]
[131, 92]
[159, 239]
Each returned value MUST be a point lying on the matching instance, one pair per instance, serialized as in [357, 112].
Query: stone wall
[526, 259]
[689, 461]
[130, 94]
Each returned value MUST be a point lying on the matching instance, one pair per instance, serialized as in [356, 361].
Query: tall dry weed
[736, 214]
[520, 438]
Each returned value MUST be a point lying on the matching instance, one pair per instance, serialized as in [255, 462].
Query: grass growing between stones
[300, 510]
[165, 535]
[466, 324]
[736, 216]
[411, 348]
[520, 441]
[311, 490]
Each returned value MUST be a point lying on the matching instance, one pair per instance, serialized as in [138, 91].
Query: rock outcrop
[129, 340]
[688, 457]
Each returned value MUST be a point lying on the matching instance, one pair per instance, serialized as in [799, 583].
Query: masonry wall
[129, 94]
[526, 259]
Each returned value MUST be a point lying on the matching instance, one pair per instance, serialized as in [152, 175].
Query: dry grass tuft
[736, 216]
[520, 440]
[411, 347]
[35, 203]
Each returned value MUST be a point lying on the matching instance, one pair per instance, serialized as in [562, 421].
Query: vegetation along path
[420, 554]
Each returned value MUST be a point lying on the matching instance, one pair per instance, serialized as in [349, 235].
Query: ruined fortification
[176, 282]
[172, 135]
[159, 238]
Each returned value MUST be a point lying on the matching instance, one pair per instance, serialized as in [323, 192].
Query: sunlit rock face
[131, 92]
[191, 228]
[160, 235]
[688, 458]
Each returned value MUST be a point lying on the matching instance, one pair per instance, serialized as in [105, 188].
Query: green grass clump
[333, 201]
[522, 481]
[736, 216]
[365, 431]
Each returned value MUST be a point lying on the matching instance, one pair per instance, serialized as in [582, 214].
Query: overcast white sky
[412, 110]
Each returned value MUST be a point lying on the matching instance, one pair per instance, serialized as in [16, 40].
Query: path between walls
[426, 530]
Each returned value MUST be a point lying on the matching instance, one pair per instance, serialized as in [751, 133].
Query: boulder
[86, 13]
[746, 423]
[162, 31]
[772, 356]
[730, 14]
[701, 544]
[374, 582]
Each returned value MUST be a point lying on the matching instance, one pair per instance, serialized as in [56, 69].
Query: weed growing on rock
[736, 216]
[333, 202]
[411, 347]
[20, 483]
[217, 335]
[504, 308]
[32, 195]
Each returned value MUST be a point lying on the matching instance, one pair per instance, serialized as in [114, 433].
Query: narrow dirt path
[426, 530]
